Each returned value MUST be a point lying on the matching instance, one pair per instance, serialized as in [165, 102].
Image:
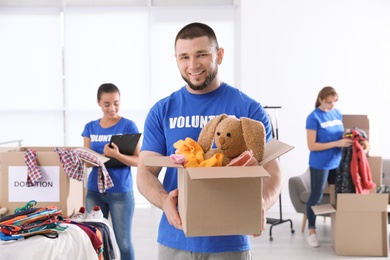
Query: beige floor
[285, 244]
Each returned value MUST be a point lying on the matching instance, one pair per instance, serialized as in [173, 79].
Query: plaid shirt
[72, 163]
[34, 174]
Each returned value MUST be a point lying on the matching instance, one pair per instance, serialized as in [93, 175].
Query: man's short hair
[196, 30]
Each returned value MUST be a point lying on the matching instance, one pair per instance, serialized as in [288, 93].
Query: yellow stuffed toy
[233, 137]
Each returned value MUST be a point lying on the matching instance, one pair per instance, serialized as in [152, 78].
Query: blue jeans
[121, 209]
[318, 179]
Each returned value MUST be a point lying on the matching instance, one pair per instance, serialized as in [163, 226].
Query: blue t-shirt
[121, 176]
[329, 127]
[183, 115]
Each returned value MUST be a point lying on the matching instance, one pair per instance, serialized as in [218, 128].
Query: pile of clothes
[354, 174]
[32, 221]
[49, 221]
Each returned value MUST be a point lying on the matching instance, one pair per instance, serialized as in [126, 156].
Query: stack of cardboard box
[359, 221]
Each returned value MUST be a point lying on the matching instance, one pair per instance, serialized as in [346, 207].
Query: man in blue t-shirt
[183, 114]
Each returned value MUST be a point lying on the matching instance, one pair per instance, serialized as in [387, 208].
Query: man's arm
[151, 188]
[272, 185]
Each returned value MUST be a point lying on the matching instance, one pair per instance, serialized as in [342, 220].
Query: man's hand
[170, 209]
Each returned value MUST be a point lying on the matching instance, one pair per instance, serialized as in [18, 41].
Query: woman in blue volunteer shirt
[325, 130]
[117, 201]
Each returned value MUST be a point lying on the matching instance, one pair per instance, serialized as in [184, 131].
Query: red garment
[97, 243]
[359, 167]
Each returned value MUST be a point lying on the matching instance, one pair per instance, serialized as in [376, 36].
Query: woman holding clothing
[325, 129]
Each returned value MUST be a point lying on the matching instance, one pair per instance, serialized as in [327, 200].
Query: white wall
[30, 79]
[291, 49]
[81, 48]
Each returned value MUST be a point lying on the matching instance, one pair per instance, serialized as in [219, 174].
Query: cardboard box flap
[36, 148]
[227, 172]
[100, 157]
[161, 161]
[274, 149]
[376, 168]
[42, 149]
[6, 149]
[355, 202]
[323, 209]
[362, 202]
[359, 121]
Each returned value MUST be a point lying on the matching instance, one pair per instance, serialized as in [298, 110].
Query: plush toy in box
[238, 142]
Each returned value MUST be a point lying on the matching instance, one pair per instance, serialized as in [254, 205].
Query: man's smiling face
[198, 61]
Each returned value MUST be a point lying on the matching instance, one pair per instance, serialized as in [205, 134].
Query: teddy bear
[232, 137]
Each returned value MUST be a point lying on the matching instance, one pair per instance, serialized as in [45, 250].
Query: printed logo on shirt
[100, 138]
[331, 123]
[196, 121]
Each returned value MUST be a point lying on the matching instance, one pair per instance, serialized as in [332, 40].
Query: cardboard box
[217, 201]
[54, 189]
[359, 224]
[359, 221]
[360, 121]
[376, 168]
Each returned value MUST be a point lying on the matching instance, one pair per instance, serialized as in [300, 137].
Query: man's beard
[205, 84]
